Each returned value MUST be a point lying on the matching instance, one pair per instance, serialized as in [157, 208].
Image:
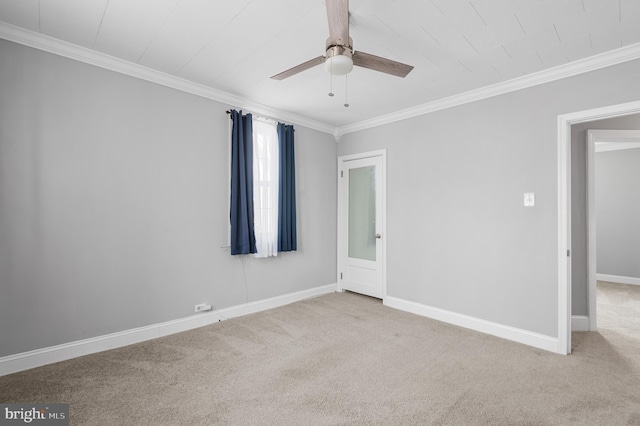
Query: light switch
[529, 199]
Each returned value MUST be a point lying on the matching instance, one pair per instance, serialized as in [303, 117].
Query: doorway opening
[600, 140]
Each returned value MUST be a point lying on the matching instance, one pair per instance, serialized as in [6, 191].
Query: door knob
[378, 236]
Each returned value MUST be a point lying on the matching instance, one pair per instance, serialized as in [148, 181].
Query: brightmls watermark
[35, 414]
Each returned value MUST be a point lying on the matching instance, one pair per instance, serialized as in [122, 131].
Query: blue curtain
[243, 239]
[287, 236]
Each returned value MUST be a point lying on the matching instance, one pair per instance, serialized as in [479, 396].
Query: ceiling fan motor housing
[339, 58]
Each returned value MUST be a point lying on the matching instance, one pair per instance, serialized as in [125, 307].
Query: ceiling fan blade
[338, 17]
[377, 63]
[299, 68]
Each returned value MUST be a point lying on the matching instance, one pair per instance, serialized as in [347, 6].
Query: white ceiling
[234, 46]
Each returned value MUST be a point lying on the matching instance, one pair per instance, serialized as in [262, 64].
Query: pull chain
[331, 77]
[346, 100]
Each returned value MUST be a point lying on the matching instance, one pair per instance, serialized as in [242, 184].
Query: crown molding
[592, 63]
[58, 47]
[82, 54]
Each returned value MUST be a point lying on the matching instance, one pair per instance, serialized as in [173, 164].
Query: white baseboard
[510, 333]
[618, 279]
[579, 323]
[36, 358]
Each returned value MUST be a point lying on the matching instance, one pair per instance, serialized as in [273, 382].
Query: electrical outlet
[202, 307]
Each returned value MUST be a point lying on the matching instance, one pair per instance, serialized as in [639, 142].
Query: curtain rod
[228, 112]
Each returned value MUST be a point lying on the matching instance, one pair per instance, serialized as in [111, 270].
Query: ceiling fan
[340, 56]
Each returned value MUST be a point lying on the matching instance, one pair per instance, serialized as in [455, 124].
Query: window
[265, 186]
[263, 201]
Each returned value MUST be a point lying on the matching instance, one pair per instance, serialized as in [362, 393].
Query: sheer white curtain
[265, 186]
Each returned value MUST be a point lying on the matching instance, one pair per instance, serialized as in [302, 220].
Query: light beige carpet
[346, 359]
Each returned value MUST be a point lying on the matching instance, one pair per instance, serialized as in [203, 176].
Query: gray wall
[617, 194]
[458, 235]
[113, 205]
[579, 230]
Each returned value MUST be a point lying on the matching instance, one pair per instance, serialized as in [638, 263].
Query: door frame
[564, 208]
[383, 216]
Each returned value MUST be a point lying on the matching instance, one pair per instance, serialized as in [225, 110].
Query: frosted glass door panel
[361, 216]
[362, 213]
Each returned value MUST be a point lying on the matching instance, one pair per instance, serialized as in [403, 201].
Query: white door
[361, 243]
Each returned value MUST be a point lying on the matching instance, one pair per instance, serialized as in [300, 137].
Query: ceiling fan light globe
[338, 65]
